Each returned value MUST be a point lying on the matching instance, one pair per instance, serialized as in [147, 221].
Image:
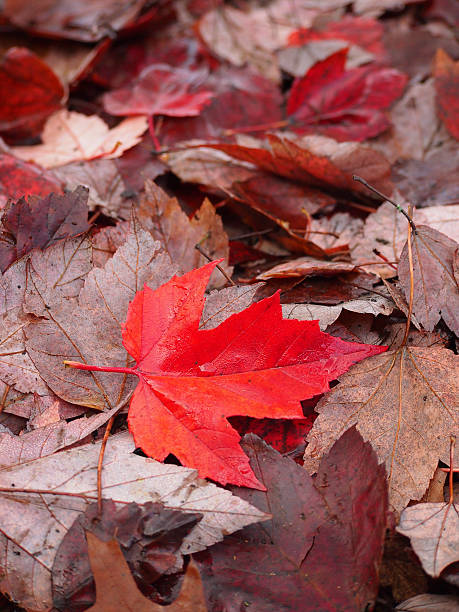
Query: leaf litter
[141, 143]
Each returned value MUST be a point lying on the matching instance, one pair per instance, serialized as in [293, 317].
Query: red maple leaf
[344, 104]
[190, 380]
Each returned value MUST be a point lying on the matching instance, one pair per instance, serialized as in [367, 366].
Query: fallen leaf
[346, 105]
[178, 235]
[102, 178]
[190, 380]
[317, 161]
[87, 22]
[286, 564]
[41, 222]
[428, 602]
[69, 136]
[161, 90]
[69, 483]
[403, 402]
[436, 291]
[34, 93]
[377, 7]
[306, 266]
[433, 530]
[446, 72]
[18, 178]
[89, 327]
[149, 536]
[111, 573]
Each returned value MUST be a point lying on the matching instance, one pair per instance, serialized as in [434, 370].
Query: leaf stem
[93, 368]
[384, 197]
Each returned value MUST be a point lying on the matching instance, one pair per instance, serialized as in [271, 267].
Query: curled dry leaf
[307, 266]
[404, 403]
[433, 530]
[69, 136]
[89, 328]
[436, 290]
[178, 235]
[46, 517]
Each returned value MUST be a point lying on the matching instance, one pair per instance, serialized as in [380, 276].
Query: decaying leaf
[446, 72]
[404, 403]
[67, 482]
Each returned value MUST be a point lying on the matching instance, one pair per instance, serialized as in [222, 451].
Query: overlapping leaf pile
[139, 141]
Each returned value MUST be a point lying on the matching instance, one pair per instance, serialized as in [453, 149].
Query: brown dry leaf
[206, 166]
[178, 235]
[104, 181]
[89, 329]
[433, 530]
[371, 303]
[224, 30]
[306, 266]
[427, 602]
[404, 403]
[47, 440]
[115, 586]
[436, 291]
[69, 136]
[386, 231]
[46, 517]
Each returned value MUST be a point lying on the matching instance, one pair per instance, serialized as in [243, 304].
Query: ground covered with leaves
[229, 291]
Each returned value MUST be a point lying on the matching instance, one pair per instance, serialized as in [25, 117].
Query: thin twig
[102, 450]
[384, 197]
[410, 303]
[204, 254]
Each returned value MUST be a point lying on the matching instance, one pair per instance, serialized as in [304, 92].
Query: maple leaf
[403, 402]
[191, 380]
[346, 105]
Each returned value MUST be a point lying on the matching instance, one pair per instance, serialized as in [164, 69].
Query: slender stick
[384, 197]
[410, 303]
[102, 450]
[218, 266]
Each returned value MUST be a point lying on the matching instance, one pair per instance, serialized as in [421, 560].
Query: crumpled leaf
[113, 577]
[161, 90]
[150, 537]
[88, 328]
[41, 222]
[433, 530]
[69, 136]
[446, 72]
[404, 403]
[163, 216]
[34, 93]
[286, 563]
[191, 380]
[346, 105]
[307, 266]
[428, 602]
[50, 514]
[18, 178]
[436, 290]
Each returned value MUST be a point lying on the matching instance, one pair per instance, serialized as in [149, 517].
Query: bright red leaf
[344, 104]
[190, 380]
[161, 90]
